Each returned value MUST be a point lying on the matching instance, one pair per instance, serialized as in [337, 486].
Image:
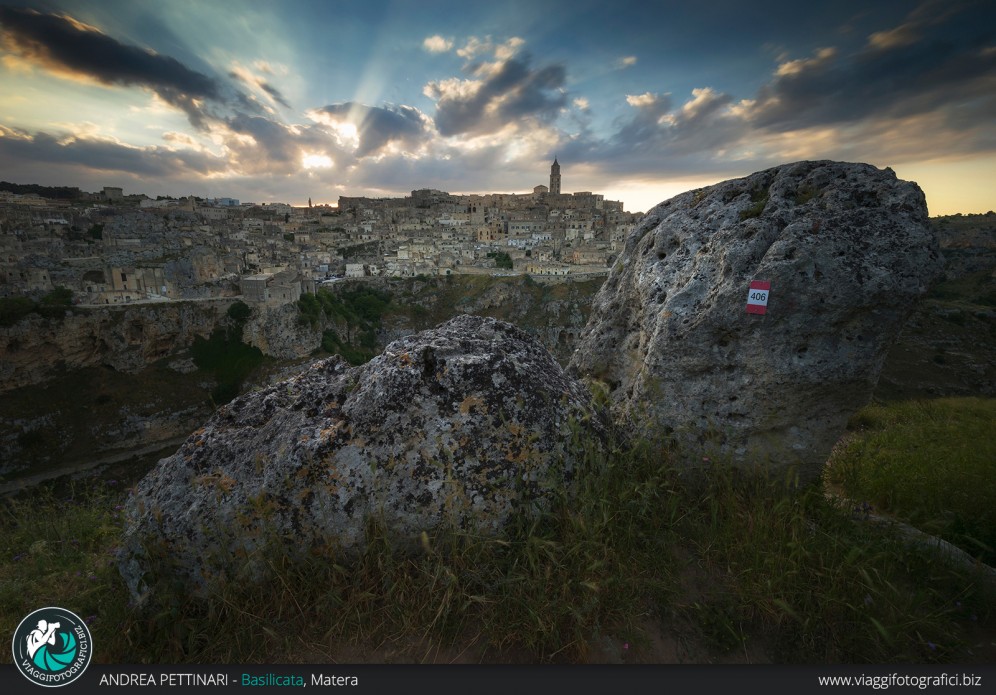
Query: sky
[269, 101]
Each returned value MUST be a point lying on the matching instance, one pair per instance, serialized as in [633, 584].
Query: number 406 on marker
[757, 297]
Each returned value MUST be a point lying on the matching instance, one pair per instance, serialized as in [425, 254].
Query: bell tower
[555, 178]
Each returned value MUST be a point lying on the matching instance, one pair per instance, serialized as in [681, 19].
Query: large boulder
[846, 249]
[461, 426]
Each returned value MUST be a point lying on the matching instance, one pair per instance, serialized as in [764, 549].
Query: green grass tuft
[759, 200]
[929, 463]
[805, 193]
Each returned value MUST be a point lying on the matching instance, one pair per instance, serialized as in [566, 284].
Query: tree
[59, 297]
[502, 259]
[239, 312]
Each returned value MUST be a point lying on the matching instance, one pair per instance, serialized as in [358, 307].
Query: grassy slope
[929, 463]
[729, 570]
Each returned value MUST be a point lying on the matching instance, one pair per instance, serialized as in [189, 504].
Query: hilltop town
[111, 248]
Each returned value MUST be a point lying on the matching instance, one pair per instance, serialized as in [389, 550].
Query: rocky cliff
[554, 314]
[845, 250]
[98, 381]
[945, 349]
[129, 338]
[126, 339]
[278, 332]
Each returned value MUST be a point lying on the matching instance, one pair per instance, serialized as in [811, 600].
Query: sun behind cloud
[316, 161]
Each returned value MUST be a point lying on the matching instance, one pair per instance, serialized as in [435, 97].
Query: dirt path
[28, 481]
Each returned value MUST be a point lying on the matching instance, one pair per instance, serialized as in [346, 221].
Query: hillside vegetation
[929, 463]
[643, 565]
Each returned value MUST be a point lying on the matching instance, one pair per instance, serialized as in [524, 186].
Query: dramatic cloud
[180, 138]
[921, 19]
[18, 147]
[372, 128]
[640, 106]
[702, 124]
[902, 35]
[503, 92]
[647, 99]
[704, 104]
[275, 93]
[256, 144]
[475, 47]
[907, 93]
[898, 73]
[821, 60]
[63, 45]
[250, 79]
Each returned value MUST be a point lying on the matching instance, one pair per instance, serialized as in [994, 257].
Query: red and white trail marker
[757, 297]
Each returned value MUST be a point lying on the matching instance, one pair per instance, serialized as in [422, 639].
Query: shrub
[228, 359]
[13, 309]
[60, 296]
[805, 193]
[502, 259]
[332, 344]
[52, 306]
[239, 312]
[310, 309]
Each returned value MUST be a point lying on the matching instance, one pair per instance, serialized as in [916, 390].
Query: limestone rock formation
[127, 338]
[847, 250]
[462, 425]
[277, 332]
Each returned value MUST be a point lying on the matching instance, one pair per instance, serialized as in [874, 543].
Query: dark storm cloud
[62, 44]
[17, 147]
[377, 126]
[510, 91]
[938, 57]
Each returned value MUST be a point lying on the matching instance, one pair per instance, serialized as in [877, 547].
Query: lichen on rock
[847, 250]
[463, 426]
